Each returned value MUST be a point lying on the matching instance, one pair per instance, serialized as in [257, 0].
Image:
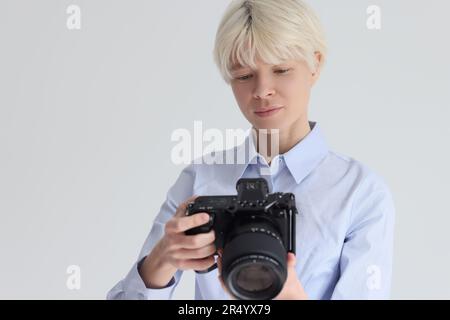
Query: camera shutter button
[211, 220]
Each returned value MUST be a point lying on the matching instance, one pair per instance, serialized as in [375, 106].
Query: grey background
[86, 118]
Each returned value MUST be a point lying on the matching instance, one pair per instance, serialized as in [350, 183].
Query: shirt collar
[301, 159]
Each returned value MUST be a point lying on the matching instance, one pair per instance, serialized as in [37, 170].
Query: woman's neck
[270, 143]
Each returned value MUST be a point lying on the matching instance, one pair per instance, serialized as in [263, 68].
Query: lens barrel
[254, 263]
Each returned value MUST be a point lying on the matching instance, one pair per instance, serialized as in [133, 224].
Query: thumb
[291, 260]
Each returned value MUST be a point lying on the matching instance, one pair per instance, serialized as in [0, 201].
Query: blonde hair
[274, 30]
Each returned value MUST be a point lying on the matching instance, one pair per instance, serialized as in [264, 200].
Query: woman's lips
[268, 113]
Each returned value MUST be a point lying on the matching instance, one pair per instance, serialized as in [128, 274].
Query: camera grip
[205, 228]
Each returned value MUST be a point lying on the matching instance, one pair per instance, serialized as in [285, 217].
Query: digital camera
[256, 230]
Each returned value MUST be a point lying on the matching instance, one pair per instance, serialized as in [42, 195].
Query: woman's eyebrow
[239, 67]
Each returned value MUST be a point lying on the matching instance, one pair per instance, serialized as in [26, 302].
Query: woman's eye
[243, 78]
[282, 71]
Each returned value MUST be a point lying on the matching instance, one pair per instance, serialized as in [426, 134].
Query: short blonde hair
[274, 30]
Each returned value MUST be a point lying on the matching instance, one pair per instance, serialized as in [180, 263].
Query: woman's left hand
[292, 289]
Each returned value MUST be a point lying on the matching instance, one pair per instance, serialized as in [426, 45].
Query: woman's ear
[317, 63]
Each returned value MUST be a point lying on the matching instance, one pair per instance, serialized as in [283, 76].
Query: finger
[291, 260]
[182, 241]
[181, 224]
[200, 253]
[181, 210]
[196, 264]
[199, 240]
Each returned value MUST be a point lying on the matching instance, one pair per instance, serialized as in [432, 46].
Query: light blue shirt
[344, 229]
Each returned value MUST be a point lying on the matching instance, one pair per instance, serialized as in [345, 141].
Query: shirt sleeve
[366, 258]
[132, 286]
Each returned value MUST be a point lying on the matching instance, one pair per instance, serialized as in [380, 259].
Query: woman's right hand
[176, 250]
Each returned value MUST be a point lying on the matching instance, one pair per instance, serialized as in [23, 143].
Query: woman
[271, 53]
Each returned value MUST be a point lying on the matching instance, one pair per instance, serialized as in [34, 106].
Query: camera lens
[254, 262]
[254, 277]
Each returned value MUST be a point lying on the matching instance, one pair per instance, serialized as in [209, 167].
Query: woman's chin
[268, 124]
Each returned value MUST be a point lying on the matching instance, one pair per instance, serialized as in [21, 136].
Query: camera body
[256, 230]
[252, 203]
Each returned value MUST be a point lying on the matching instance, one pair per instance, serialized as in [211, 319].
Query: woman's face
[274, 97]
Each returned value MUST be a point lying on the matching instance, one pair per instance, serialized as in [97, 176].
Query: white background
[86, 118]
